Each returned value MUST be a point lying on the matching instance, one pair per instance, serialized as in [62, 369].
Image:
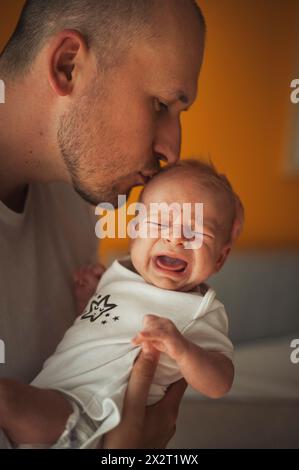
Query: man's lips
[145, 177]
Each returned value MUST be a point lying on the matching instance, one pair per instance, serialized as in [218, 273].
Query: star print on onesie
[97, 308]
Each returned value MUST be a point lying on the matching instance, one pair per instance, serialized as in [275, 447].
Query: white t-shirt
[39, 250]
[93, 362]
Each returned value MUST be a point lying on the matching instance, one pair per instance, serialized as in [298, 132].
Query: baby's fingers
[98, 269]
[144, 336]
[137, 340]
[155, 334]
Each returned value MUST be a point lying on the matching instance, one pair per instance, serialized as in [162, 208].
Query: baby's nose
[175, 236]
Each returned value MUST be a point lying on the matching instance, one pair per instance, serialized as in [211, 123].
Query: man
[94, 93]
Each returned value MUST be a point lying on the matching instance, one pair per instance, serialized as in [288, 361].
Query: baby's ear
[239, 220]
[223, 256]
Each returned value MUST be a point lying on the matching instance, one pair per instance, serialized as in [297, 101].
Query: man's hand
[160, 419]
[162, 334]
[145, 427]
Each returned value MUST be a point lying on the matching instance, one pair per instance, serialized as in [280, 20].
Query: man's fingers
[129, 434]
[140, 381]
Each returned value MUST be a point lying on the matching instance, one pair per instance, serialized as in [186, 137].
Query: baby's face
[164, 260]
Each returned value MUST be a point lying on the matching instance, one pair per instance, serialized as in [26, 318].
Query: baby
[155, 296]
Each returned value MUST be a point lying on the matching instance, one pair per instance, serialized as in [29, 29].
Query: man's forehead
[175, 75]
[173, 59]
[181, 34]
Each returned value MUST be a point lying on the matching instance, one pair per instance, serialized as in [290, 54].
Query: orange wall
[242, 114]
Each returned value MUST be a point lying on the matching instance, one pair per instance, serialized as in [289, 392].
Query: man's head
[115, 76]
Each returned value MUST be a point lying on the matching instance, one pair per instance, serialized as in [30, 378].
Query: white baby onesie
[92, 363]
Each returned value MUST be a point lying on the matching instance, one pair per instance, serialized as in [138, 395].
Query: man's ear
[63, 58]
[222, 257]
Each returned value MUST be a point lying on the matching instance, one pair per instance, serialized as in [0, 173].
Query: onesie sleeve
[209, 330]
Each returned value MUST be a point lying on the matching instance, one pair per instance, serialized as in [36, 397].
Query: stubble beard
[75, 146]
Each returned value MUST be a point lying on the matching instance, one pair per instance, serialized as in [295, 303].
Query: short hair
[209, 178]
[106, 25]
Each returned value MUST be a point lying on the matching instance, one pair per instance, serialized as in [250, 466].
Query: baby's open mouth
[171, 264]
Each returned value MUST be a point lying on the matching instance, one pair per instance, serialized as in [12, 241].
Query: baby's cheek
[139, 254]
[204, 264]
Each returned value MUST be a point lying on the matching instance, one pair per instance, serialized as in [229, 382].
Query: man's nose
[167, 145]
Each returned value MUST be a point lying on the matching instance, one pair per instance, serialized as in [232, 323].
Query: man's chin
[86, 196]
[111, 197]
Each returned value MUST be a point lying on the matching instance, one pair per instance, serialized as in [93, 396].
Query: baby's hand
[86, 280]
[163, 335]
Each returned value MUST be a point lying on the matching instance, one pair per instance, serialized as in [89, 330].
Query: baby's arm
[210, 373]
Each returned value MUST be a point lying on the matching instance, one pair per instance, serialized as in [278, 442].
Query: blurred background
[244, 120]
